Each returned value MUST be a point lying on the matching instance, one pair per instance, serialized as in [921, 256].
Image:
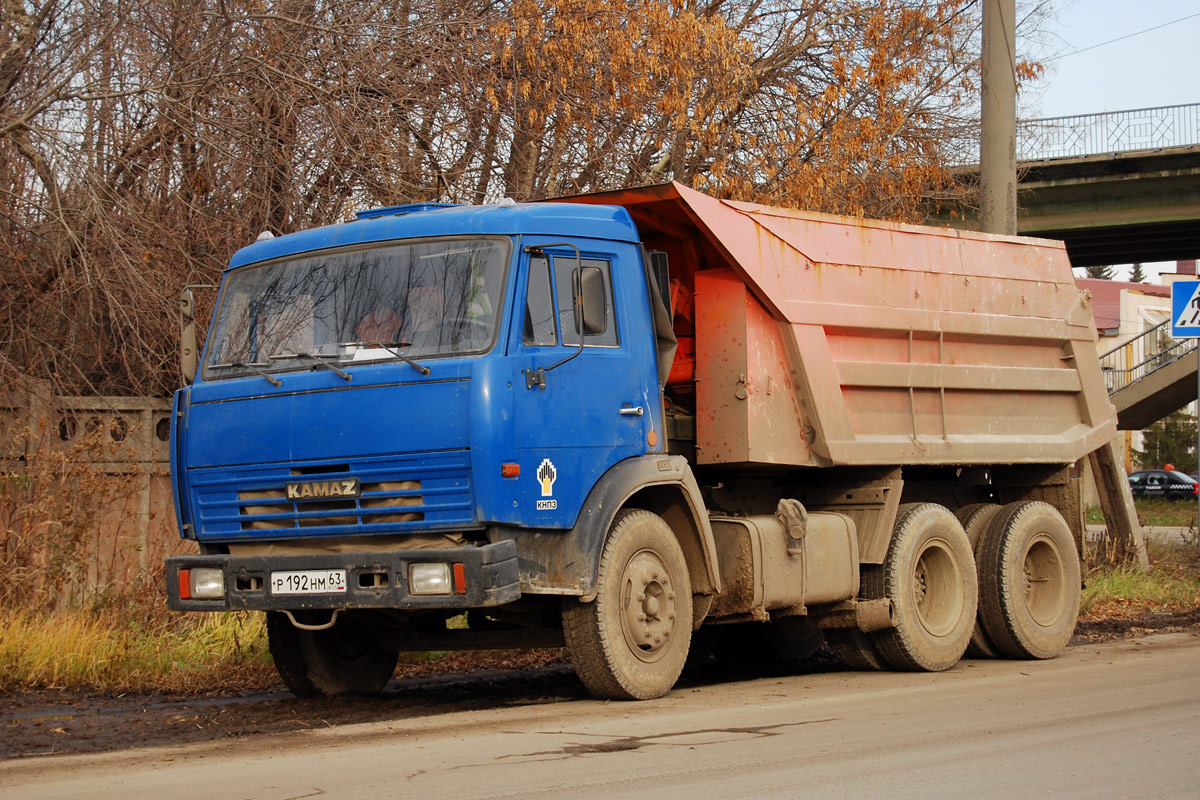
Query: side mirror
[593, 298]
[189, 358]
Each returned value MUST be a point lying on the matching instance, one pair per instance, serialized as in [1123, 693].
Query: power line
[1121, 38]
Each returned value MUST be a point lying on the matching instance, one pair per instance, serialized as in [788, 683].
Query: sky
[1155, 68]
[1120, 66]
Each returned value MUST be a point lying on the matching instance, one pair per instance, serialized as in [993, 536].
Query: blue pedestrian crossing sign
[1185, 309]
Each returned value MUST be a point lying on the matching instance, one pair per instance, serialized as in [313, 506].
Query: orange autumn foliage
[142, 141]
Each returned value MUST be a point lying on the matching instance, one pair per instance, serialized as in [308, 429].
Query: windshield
[417, 299]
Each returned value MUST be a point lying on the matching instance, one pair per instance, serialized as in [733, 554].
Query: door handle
[635, 411]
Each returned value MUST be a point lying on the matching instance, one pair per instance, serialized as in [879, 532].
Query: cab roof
[427, 219]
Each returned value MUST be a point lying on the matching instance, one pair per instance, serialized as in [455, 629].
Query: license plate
[313, 581]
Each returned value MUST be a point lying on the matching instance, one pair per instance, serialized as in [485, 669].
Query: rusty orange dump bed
[820, 339]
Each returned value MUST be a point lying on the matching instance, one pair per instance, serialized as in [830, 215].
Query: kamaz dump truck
[621, 421]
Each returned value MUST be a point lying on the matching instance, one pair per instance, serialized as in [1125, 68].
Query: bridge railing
[1108, 132]
[1133, 360]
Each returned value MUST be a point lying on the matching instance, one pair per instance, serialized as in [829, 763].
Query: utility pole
[998, 116]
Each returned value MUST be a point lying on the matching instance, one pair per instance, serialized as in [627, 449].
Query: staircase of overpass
[1150, 376]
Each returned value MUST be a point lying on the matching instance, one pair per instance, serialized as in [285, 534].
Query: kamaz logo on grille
[316, 490]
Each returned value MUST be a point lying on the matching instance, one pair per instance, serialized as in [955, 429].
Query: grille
[378, 505]
[420, 492]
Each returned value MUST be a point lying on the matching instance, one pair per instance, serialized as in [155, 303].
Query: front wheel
[343, 659]
[631, 642]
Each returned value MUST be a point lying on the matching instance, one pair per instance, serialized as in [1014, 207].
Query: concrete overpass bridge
[1117, 187]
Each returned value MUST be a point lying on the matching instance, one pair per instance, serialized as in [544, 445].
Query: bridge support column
[998, 120]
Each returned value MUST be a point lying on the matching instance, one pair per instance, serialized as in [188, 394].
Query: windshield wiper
[317, 362]
[254, 366]
[389, 347]
[341, 373]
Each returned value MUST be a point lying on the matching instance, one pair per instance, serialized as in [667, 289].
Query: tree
[1171, 440]
[1101, 272]
[141, 141]
[1137, 274]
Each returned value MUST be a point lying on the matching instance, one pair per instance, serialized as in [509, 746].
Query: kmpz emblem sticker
[546, 476]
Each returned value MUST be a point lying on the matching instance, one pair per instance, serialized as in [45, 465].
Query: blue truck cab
[396, 420]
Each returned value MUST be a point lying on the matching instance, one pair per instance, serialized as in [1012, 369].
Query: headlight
[202, 583]
[429, 579]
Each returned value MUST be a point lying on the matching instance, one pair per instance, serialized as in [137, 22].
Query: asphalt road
[1112, 720]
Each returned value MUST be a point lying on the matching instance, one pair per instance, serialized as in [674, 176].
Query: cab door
[595, 406]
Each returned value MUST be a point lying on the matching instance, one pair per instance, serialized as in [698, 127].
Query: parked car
[1171, 484]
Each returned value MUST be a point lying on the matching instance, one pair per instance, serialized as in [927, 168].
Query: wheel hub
[936, 586]
[1045, 591]
[647, 606]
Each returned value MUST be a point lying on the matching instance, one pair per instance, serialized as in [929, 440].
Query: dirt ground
[43, 723]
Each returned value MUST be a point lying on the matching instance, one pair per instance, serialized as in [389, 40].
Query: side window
[1155, 479]
[539, 305]
[564, 268]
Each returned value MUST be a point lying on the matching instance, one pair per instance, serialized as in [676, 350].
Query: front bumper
[373, 580]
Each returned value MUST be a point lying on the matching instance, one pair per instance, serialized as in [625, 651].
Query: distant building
[1123, 312]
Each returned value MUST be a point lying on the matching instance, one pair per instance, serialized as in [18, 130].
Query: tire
[975, 519]
[854, 649]
[283, 640]
[631, 642]
[344, 659]
[929, 575]
[793, 639]
[1029, 581]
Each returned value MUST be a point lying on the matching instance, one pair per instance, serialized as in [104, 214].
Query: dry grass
[1171, 583]
[108, 651]
[61, 624]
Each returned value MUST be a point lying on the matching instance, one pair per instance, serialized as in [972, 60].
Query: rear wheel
[793, 639]
[854, 649]
[929, 575]
[631, 642]
[1029, 581]
[343, 659]
[975, 519]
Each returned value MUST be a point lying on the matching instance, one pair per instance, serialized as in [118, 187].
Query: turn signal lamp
[510, 470]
